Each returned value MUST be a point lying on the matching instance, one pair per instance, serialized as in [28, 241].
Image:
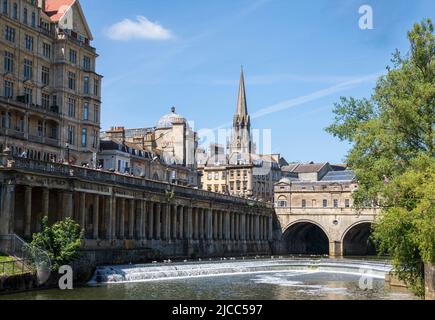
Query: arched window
[33, 20]
[15, 11]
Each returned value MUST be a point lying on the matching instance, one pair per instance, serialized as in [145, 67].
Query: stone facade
[124, 212]
[315, 208]
[240, 171]
[50, 93]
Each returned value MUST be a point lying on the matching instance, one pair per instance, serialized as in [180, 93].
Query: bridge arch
[305, 237]
[356, 239]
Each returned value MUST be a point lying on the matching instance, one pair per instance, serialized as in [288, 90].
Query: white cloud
[142, 29]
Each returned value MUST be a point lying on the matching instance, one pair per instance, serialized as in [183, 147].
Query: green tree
[61, 241]
[392, 137]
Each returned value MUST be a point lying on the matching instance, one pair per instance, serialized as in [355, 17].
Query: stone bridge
[125, 213]
[337, 232]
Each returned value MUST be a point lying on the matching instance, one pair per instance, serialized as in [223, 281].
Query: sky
[299, 58]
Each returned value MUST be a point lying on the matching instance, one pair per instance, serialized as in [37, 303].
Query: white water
[158, 272]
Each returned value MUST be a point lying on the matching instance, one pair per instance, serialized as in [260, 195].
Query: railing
[52, 111]
[114, 178]
[26, 257]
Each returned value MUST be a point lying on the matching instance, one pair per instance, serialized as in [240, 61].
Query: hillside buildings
[50, 96]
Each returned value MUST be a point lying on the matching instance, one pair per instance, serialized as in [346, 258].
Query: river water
[257, 279]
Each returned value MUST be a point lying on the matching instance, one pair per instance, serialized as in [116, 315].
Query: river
[275, 278]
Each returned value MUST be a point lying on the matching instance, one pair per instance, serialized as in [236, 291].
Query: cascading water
[154, 272]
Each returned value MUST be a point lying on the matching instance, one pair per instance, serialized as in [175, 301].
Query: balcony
[52, 142]
[20, 102]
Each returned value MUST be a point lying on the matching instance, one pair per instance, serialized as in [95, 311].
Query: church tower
[241, 131]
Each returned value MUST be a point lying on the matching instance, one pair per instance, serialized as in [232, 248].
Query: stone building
[163, 153]
[314, 206]
[50, 92]
[240, 170]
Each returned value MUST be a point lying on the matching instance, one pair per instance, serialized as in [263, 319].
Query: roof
[56, 9]
[309, 167]
[347, 175]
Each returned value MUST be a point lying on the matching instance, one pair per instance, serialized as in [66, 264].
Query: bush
[61, 241]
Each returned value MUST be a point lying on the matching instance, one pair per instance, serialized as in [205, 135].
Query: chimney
[41, 5]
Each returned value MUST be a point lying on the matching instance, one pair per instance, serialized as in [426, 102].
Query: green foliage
[392, 137]
[61, 241]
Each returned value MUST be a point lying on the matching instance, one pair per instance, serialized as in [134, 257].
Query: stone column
[232, 225]
[195, 223]
[189, 229]
[82, 213]
[150, 206]
[96, 216]
[174, 221]
[181, 224]
[227, 225]
[139, 226]
[28, 212]
[270, 229]
[243, 227]
[215, 225]
[7, 202]
[114, 212]
[108, 216]
[237, 226]
[221, 224]
[122, 219]
[131, 219]
[67, 204]
[45, 205]
[157, 221]
[166, 221]
[201, 223]
[209, 223]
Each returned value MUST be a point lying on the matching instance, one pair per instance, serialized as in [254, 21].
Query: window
[224, 175]
[33, 20]
[238, 185]
[210, 176]
[96, 87]
[96, 114]
[6, 120]
[15, 11]
[28, 94]
[45, 100]
[314, 203]
[86, 112]
[72, 81]
[282, 203]
[40, 129]
[71, 135]
[54, 100]
[46, 50]
[325, 203]
[347, 203]
[5, 7]
[216, 188]
[71, 107]
[216, 175]
[45, 76]
[86, 63]
[245, 185]
[304, 204]
[25, 21]
[86, 85]
[28, 69]
[9, 89]
[10, 34]
[29, 42]
[73, 56]
[9, 62]
[335, 203]
[84, 137]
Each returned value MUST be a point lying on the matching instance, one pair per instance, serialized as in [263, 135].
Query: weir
[158, 272]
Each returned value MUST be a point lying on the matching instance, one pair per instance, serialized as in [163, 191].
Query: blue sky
[299, 57]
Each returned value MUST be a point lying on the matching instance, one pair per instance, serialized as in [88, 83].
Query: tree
[61, 241]
[392, 153]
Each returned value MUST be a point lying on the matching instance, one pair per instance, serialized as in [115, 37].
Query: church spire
[242, 108]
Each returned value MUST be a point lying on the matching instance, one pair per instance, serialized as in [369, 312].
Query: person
[24, 155]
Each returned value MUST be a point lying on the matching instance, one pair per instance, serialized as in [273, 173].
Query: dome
[168, 120]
